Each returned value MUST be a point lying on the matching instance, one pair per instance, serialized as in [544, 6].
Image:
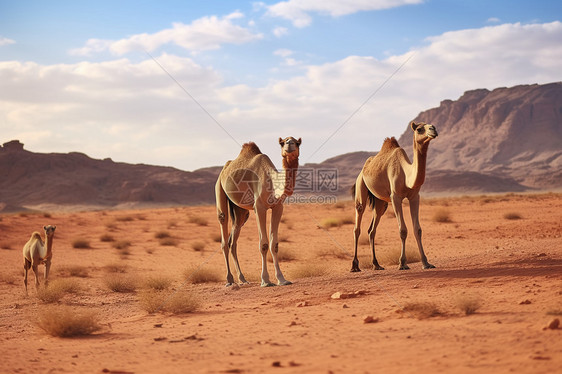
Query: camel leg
[276, 214]
[397, 205]
[26, 266]
[261, 218]
[34, 267]
[378, 211]
[360, 204]
[222, 214]
[240, 218]
[414, 211]
[47, 269]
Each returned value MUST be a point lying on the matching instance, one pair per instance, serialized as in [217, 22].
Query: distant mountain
[513, 133]
[505, 140]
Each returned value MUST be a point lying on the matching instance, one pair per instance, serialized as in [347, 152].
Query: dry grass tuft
[162, 235]
[512, 216]
[49, 295]
[308, 271]
[392, 257]
[442, 215]
[468, 304]
[81, 244]
[282, 256]
[63, 321]
[65, 285]
[198, 246]
[198, 220]
[8, 278]
[176, 303]
[328, 223]
[122, 244]
[6, 246]
[120, 283]
[124, 218]
[201, 275]
[158, 283]
[422, 310]
[107, 238]
[115, 268]
[171, 242]
[74, 271]
[334, 252]
[216, 237]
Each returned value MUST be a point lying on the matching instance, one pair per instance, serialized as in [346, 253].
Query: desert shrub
[47, 215]
[162, 234]
[8, 278]
[348, 220]
[554, 312]
[74, 271]
[111, 226]
[172, 224]
[422, 310]
[392, 257]
[331, 222]
[107, 238]
[198, 246]
[124, 218]
[442, 215]
[158, 283]
[81, 244]
[115, 268]
[512, 216]
[177, 303]
[65, 285]
[120, 283]
[468, 304]
[122, 244]
[201, 275]
[335, 252]
[171, 242]
[308, 271]
[6, 246]
[198, 220]
[49, 294]
[63, 321]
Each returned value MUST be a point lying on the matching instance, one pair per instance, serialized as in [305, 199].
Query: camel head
[423, 132]
[49, 231]
[290, 147]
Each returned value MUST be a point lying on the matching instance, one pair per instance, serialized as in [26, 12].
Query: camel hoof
[377, 267]
[355, 270]
[228, 284]
[404, 267]
[284, 283]
[429, 266]
[267, 284]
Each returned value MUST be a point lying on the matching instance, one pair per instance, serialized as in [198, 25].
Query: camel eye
[420, 130]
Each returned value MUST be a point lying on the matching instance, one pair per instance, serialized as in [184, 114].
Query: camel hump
[36, 235]
[389, 144]
[250, 148]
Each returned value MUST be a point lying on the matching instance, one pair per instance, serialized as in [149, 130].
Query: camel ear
[413, 125]
[54, 228]
[44, 227]
[281, 142]
[299, 142]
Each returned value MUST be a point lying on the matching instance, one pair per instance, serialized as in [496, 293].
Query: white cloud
[134, 112]
[298, 11]
[6, 41]
[493, 20]
[205, 33]
[280, 31]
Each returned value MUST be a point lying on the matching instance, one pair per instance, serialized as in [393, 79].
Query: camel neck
[49, 246]
[418, 167]
[290, 165]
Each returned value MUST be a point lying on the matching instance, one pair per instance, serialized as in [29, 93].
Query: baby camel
[389, 177]
[36, 252]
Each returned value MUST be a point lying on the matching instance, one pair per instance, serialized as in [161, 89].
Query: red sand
[512, 267]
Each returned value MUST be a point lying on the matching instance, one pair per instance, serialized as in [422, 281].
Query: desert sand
[502, 253]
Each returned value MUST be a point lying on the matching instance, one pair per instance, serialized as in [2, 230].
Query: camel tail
[372, 197]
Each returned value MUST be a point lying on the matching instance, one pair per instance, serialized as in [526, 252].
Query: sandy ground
[512, 268]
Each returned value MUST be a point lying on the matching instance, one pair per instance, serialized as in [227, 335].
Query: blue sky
[114, 78]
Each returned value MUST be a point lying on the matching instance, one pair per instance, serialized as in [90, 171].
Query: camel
[389, 177]
[36, 252]
[251, 182]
